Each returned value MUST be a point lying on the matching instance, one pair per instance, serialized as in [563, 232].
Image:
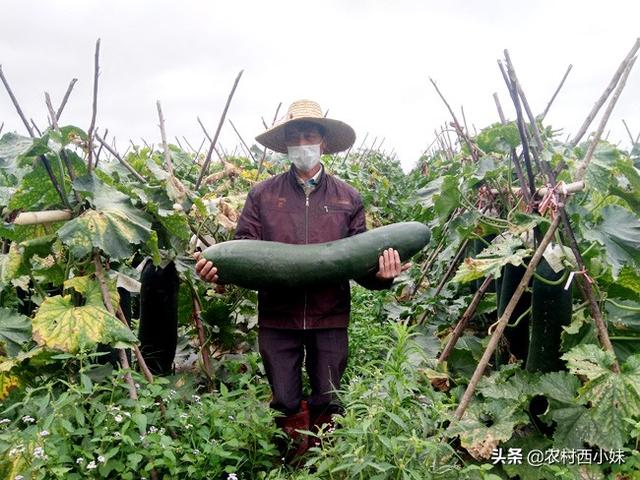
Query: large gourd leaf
[619, 232]
[628, 184]
[15, 330]
[603, 402]
[36, 191]
[11, 265]
[484, 425]
[60, 325]
[90, 289]
[114, 226]
[492, 259]
[12, 146]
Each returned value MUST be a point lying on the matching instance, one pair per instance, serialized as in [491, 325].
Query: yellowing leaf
[90, 289]
[485, 425]
[8, 382]
[60, 325]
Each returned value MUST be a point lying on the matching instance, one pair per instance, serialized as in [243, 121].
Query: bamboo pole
[205, 167]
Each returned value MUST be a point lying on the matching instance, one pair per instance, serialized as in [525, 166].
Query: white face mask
[304, 157]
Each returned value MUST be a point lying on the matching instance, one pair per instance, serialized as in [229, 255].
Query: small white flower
[196, 398]
[28, 419]
[196, 451]
[118, 418]
[92, 465]
[4, 420]
[79, 460]
[232, 476]
[117, 434]
[15, 450]
[157, 404]
[188, 426]
[101, 459]
[230, 417]
[152, 429]
[18, 477]
[137, 385]
[44, 433]
[184, 415]
[38, 452]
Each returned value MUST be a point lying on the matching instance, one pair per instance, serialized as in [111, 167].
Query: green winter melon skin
[551, 309]
[260, 264]
[517, 336]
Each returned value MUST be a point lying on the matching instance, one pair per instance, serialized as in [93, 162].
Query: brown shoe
[290, 425]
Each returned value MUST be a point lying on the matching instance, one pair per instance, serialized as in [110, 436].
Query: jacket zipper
[306, 241]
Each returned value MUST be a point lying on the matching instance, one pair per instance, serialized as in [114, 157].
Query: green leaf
[628, 187]
[599, 175]
[12, 147]
[115, 226]
[15, 331]
[509, 383]
[589, 360]
[449, 198]
[619, 232]
[498, 138]
[92, 292]
[560, 386]
[492, 259]
[609, 398]
[36, 191]
[60, 325]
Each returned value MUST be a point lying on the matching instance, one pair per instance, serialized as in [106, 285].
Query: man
[305, 205]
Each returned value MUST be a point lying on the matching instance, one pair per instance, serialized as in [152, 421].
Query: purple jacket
[278, 210]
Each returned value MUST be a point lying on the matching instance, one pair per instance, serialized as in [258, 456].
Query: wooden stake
[603, 98]
[65, 98]
[14, 100]
[106, 299]
[165, 147]
[94, 107]
[555, 94]
[205, 168]
[462, 323]
[582, 168]
[112, 151]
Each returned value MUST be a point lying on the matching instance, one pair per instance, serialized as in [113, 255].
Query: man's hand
[390, 266]
[207, 272]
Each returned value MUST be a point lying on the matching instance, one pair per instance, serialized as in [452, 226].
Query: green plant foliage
[15, 331]
[619, 233]
[114, 225]
[606, 398]
[59, 324]
[491, 260]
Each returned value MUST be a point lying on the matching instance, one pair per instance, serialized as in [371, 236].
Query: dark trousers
[283, 352]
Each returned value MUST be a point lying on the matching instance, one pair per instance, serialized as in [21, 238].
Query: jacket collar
[293, 176]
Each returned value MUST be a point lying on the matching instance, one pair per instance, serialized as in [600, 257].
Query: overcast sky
[368, 62]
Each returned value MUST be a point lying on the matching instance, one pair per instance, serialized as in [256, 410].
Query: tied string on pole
[582, 272]
[553, 200]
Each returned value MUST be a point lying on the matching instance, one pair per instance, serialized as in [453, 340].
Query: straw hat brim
[338, 136]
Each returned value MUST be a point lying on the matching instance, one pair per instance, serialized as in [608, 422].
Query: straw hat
[338, 135]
